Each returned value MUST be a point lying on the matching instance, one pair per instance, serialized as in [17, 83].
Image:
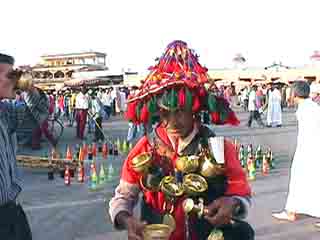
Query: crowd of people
[87, 107]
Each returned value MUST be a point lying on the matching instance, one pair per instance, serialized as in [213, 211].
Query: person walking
[274, 111]
[303, 198]
[253, 108]
[82, 106]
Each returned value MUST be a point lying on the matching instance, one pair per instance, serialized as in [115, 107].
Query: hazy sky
[134, 32]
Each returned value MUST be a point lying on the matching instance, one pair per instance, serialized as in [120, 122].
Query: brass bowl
[170, 187]
[187, 164]
[210, 169]
[142, 162]
[157, 232]
[25, 82]
[194, 184]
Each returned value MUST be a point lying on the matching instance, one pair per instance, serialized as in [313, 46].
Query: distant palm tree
[239, 58]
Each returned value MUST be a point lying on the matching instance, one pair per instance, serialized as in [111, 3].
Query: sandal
[287, 216]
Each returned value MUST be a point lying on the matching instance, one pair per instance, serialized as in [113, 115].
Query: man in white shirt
[82, 105]
[106, 101]
[252, 107]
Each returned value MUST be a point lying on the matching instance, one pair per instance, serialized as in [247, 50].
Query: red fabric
[51, 104]
[81, 119]
[237, 182]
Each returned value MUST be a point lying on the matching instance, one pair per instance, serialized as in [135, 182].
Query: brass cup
[157, 232]
[216, 235]
[187, 164]
[210, 169]
[150, 182]
[170, 187]
[142, 162]
[194, 184]
[25, 82]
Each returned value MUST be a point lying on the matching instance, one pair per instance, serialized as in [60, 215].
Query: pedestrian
[253, 108]
[303, 196]
[13, 221]
[180, 134]
[97, 113]
[274, 111]
[82, 106]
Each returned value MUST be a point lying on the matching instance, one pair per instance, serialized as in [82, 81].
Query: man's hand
[133, 225]
[135, 228]
[220, 211]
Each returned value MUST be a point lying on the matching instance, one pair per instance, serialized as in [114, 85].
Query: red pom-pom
[181, 97]
[202, 92]
[196, 103]
[131, 112]
[144, 117]
[215, 117]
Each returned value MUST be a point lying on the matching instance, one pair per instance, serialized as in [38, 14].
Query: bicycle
[55, 126]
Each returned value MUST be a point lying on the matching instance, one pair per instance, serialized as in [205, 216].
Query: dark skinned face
[178, 123]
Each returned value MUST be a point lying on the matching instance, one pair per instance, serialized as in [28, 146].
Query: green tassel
[138, 109]
[173, 99]
[212, 103]
[223, 116]
[188, 99]
[165, 99]
[152, 105]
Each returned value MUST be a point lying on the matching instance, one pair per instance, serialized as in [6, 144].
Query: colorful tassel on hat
[212, 103]
[131, 111]
[181, 98]
[152, 105]
[144, 117]
[173, 99]
[215, 117]
[188, 99]
[196, 103]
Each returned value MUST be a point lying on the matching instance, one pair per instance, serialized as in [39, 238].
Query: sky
[134, 32]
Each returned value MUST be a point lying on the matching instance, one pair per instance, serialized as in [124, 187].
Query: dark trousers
[107, 110]
[13, 223]
[255, 115]
[98, 133]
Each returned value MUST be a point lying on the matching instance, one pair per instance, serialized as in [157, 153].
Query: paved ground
[74, 213]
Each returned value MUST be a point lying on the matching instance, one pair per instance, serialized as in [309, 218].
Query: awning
[86, 82]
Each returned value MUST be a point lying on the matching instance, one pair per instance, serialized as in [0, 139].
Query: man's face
[6, 84]
[178, 123]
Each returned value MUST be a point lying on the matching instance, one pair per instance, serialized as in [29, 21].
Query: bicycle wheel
[56, 128]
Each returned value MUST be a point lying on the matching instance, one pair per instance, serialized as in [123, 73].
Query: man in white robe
[274, 112]
[304, 196]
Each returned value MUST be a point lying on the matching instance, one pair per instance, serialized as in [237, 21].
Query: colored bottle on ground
[258, 157]
[265, 166]
[102, 175]
[67, 178]
[80, 173]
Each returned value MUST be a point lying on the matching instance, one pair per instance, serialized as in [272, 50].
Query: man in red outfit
[160, 161]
